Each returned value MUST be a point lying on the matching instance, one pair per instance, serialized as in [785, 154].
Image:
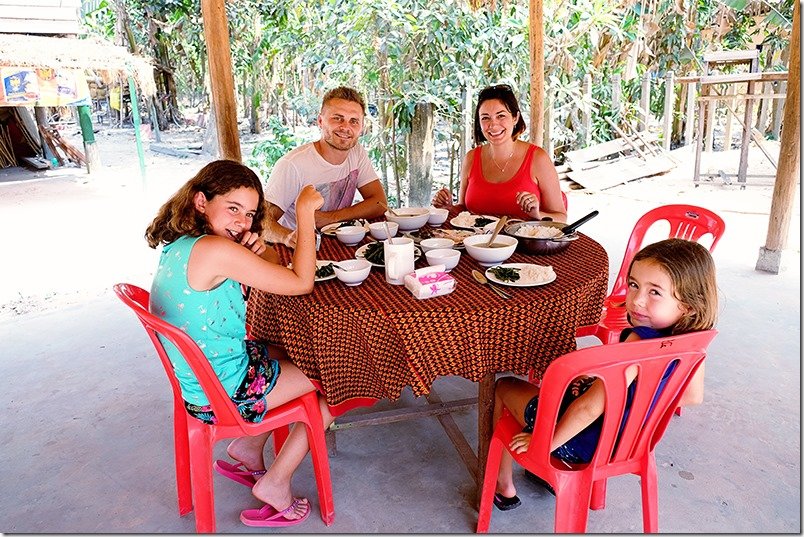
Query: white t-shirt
[337, 183]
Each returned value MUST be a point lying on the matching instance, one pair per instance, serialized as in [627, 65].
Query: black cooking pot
[532, 245]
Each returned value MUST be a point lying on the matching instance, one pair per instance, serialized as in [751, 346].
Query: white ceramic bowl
[437, 216]
[377, 230]
[436, 243]
[410, 218]
[443, 256]
[356, 271]
[350, 235]
[486, 256]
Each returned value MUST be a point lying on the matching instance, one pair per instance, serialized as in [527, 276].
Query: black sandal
[539, 481]
[504, 503]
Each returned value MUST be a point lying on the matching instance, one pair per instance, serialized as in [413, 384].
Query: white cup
[399, 259]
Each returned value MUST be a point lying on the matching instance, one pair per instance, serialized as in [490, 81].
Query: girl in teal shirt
[210, 233]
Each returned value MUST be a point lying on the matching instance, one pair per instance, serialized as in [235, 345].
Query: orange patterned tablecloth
[369, 342]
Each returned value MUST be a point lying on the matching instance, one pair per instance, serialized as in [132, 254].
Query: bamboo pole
[689, 127]
[536, 32]
[784, 189]
[216, 36]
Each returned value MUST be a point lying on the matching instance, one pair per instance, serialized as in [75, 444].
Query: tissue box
[429, 282]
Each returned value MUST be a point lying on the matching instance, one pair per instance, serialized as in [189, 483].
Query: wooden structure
[43, 17]
[110, 61]
[709, 94]
[787, 173]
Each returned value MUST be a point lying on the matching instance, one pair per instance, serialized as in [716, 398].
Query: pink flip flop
[237, 472]
[267, 516]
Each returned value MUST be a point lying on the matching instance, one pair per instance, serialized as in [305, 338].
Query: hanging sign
[27, 86]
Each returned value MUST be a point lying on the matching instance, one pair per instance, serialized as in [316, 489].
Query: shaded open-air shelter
[216, 35]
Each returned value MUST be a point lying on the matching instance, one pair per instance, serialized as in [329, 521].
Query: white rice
[538, 232]
[536, 274]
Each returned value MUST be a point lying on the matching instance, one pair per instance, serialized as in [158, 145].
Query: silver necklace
[502, 170]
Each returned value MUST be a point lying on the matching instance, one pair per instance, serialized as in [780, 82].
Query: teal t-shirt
[215, 319]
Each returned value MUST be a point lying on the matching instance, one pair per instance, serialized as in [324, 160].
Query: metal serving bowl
[536, 246]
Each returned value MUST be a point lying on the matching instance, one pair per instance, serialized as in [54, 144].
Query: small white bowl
[488, 257]
[377, 230]
[443, 256]
[409, 218]
[350, 235]
[436, 243]
[356, 270]
[437, 216]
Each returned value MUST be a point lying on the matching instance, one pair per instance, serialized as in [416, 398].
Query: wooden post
[784, 189]
[669, 106]
[745, 142]
[692, 89]
[730, 90]
[644, 102]
[778, 111]
[711, 106]
[536, 32]
[216, 35]
[616, 92]
[587, 112]
[764, 107]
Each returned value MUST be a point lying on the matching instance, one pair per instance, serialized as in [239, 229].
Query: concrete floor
[88, 441]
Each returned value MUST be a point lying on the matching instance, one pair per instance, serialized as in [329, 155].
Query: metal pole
[135, 116]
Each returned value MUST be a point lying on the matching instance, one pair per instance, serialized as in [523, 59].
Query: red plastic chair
[686, 222]
[194, 440]
[584, 486]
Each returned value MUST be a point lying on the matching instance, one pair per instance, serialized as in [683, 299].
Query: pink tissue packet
[429, 282]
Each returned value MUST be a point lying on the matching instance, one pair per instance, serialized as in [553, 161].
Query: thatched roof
[68, 53]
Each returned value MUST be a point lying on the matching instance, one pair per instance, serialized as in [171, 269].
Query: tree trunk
[420, 156]
[210, 144]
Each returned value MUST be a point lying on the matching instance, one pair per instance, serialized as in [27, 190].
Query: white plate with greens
[329, 229]
[466, 220]
[521, 274]
[374, 253]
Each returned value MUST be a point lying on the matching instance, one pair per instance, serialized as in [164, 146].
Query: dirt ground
[69, 236]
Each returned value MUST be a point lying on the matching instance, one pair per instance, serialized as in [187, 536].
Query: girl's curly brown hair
[692, 271]
[178, 216]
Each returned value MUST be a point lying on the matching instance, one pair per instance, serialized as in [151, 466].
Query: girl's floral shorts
[249, 398]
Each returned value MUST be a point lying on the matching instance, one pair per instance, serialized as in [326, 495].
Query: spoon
[481, 279]
[389, 209]
[500, 223]
[575, 225]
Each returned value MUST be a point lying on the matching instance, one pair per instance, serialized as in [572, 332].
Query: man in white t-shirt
[335, 164]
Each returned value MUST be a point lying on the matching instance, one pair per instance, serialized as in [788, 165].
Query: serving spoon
[389, 209]
[570, 228]
[481, 279]
[500, 223]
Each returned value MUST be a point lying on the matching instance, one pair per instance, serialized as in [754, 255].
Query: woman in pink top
[506, 176]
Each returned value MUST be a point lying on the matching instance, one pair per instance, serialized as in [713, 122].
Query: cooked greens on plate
[324, 271]
[505, 274]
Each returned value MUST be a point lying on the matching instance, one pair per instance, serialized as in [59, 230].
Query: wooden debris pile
[55, 142]
[7, 158]
[617, 161]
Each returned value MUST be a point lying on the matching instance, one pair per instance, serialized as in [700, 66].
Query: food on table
[538, 232]
[324, 271]
[467, 219]
[524, 274]
[455, 235]
[375, 253]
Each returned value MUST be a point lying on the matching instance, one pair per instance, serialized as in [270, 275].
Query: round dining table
[365, 343]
